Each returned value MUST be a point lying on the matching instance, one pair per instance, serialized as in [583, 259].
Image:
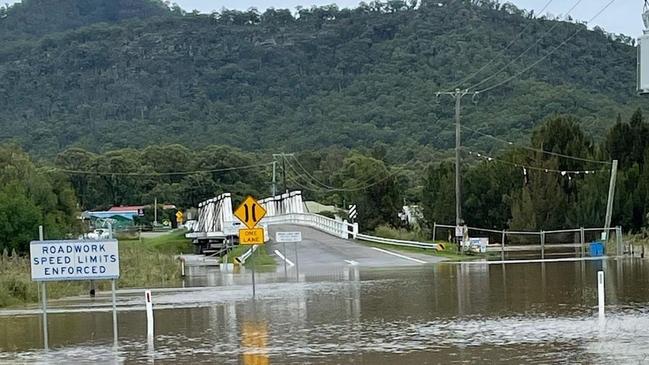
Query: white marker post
[44, 297]
[148, 302]
[600, 293]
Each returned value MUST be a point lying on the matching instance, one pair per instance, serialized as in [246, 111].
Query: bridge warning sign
[250, 212]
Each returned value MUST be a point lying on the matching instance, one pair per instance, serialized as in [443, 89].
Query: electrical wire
[316, 188]
[550, 53]
[484, 67]
[308, 174]
[536, 168]
[556, 24]
[536, 149]
[102, 173]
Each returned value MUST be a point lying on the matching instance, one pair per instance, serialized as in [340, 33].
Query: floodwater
[434, 314]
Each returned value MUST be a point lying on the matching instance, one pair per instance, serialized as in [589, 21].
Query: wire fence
[577, 242]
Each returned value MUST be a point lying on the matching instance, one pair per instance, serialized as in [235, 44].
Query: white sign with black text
[288, 237]
[74, 260]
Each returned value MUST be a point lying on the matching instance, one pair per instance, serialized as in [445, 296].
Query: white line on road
[352, 262]
[284, 258]
[401, 256]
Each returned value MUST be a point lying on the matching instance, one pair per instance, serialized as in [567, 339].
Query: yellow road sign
[179, 216]
[250, 212]
[254, 236]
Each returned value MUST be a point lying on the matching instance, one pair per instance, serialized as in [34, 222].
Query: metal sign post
[250, 212]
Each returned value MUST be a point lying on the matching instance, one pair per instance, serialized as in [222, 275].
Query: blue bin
[596, 249]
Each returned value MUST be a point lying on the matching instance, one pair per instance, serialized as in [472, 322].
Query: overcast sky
[621, 17]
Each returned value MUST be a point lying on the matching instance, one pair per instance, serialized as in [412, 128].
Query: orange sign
[253, 236]
[250, 212]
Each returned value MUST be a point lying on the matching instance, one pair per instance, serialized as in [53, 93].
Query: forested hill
[273, 81]
[40, 17]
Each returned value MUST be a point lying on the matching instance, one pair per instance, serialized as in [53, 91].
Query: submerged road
[321, 251]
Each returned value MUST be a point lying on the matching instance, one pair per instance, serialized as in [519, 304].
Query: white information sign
[74, 260]
[288, 237]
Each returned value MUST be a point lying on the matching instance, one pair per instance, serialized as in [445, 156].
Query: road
[320, 251]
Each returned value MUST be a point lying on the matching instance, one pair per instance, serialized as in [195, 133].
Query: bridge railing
[341, 229]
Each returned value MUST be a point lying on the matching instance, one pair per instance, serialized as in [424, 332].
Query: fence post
[542, 245]
[355, 232]
[582, 241]
[502, 247]
[434, 230]
[618, 240]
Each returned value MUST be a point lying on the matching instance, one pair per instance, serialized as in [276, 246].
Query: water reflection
[523, 313]
[254, 339]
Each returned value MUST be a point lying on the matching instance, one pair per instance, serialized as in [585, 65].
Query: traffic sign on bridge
[250, 212]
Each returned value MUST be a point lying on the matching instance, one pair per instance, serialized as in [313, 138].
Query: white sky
[623, 16]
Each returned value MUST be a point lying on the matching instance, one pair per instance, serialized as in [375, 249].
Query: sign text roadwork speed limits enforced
[59, 260]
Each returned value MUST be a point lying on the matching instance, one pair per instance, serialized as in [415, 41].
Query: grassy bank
[261, 258]
[450, 251]
[149, 263]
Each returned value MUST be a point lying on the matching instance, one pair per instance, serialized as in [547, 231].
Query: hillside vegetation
[105, 74]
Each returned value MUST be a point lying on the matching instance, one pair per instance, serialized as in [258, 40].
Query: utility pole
[611, 197]
[458, 95]
[283, 157]
[274, 178]
[155, 211]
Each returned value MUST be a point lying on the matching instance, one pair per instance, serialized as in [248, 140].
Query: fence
[543, 244]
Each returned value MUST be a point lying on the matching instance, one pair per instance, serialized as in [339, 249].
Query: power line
[506, 48]
[536, 149]
[536, 168]
[525, 51]
[103, 173]
[316, 188]
[309, 175]
[550, 53]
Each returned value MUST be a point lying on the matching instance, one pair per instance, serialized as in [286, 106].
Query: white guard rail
[342, 229]
[394, 242]
[333, 227]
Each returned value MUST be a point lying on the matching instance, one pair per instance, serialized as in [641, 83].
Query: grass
[260, 258]
[147, 264]
[450, 251]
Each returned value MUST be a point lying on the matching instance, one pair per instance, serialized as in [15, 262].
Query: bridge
[336, 240]
[326, 241]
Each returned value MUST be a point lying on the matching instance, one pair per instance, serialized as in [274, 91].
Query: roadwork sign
[254, 236]
[250, 212]
[74, 260]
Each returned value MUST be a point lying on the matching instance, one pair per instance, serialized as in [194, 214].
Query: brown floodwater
[435, 314]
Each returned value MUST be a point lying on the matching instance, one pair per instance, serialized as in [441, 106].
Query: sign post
[250, 212]
[59, 260]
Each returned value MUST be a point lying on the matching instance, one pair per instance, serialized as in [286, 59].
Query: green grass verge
[450, 251]
[147, 264]
[172, 243]
[261, 258]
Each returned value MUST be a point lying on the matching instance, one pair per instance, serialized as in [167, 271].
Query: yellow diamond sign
[250, 212]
